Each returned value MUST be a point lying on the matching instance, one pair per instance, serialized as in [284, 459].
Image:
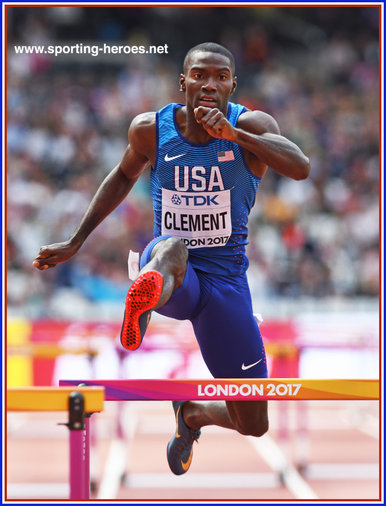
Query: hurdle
[48, 350]
[58, 398]
[80, 403]
[235, 389]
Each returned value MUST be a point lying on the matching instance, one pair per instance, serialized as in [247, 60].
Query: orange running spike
[142, 296]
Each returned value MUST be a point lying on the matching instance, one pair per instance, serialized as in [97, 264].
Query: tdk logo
[195, 200]
[176, 200]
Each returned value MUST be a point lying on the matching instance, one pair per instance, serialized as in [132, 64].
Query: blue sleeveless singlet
[203, 194]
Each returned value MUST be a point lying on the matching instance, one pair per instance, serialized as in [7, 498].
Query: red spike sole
[142, 296]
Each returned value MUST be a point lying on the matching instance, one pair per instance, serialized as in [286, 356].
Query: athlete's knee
[173, 252]
[177, 248]
[249, 418]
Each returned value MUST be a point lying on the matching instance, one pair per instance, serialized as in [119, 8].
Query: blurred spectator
[67, 127]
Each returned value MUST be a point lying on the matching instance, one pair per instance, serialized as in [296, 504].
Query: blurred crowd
[67, 122]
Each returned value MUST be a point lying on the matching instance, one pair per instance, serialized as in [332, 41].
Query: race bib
[200, 219]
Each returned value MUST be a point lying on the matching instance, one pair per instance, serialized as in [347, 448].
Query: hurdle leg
[78, 425]
[79, 485]
[86, 442]
[94, 466]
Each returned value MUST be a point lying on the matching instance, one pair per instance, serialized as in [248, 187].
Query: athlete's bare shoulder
[258, 122]
[144, 120]
[142, 134]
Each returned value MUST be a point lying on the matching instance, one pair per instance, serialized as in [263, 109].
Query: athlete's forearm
[110, 194]
[279, 153]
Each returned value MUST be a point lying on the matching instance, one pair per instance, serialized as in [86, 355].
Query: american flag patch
[225, 156]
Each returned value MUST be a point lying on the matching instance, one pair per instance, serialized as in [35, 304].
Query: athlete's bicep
[258, 122]
[132, 163]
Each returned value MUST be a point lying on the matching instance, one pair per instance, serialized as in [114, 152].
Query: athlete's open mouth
[208, 101]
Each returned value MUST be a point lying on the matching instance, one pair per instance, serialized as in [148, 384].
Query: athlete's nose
[209, 85]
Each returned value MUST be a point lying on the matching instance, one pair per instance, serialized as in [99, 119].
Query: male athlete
[208, 158]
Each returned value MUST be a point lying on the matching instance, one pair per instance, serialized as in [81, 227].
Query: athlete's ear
[182, 82]
[234, 86]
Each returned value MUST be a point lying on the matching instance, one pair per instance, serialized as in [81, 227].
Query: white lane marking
[114, 469]
[270, 452]
[117, 460]
[204, 480]
[38, 491]
[342, 471]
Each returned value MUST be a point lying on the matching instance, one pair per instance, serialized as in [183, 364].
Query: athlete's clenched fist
[214, 122]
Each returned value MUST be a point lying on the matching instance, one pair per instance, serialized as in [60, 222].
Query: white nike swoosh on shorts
[245, 367]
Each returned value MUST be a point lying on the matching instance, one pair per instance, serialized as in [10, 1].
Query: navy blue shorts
[220, 309]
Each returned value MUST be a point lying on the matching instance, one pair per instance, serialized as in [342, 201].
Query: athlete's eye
[223, 77]
[197, 75]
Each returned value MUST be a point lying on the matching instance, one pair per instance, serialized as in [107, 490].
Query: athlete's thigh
[228, 334]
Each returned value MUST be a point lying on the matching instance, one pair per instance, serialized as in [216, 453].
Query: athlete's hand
[214, 122]
[50, 256]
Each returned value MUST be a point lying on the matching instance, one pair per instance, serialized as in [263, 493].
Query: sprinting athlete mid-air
[208, 158]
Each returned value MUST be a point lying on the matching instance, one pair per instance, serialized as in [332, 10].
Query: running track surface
[336, 449]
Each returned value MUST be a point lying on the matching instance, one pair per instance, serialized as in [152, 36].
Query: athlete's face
[208, 80]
